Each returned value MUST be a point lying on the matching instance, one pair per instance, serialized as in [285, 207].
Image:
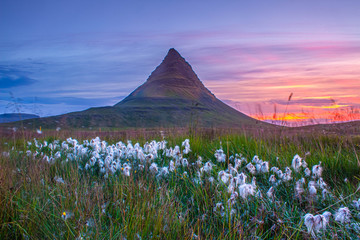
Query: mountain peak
[174, 78]
[174, 68]
[172, 53]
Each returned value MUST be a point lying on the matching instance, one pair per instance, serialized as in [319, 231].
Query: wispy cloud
[10, 78]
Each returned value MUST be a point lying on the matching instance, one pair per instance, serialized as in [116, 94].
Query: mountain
[172, 96]
[13, 117]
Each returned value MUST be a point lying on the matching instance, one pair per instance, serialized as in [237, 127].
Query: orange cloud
[326, 107]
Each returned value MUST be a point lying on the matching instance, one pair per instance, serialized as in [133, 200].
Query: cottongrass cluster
[241, 180]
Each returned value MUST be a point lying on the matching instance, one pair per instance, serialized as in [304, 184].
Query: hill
[13, 117]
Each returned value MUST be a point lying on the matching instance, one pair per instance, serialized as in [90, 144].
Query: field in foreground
[225, 186]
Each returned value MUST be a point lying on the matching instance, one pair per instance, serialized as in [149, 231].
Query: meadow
[179, 184]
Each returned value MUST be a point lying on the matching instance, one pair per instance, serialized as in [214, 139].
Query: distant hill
[13, 117]
[344, 128]
[172, 96]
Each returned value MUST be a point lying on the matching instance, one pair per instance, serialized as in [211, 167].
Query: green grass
[145, 207]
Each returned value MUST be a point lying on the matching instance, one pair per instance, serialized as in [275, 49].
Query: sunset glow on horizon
[324, 81]
[62, 57]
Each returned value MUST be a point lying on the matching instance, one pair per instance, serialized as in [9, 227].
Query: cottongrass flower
[233, 198]
[258, 167]
[178, 162]
[238, 163]
[232, 170]
[321, 221]
[232, 212]
[5, 154]
[199, 162]
[220, 156]
[317, 170]
[171, 166]
[272, 179]
[316, 223]
[302, 180]
[296, 163]
[321, 183]
[309, 222]
[224, 177]
[287, 176]
[246, 190]
[164, 171]
[57, 155]
[149, 157]
[219, 207]
[198, 174]
[207, 167]
[270, 192]
[211, 179]
[280, 174]
[343, 215]
[327, 215]
[59, 180]
[356, 204]
[258, 194]
[312, 188]
[50, 160]
[153, 168]
[325, 193]
[240, 179]
[307, 172]
[251, 168]
[256, 159]
[253, 182]
[299, 189]
[186, 145]
[126, 171]
[90, 222]
[28, 153]
[103, 208]
[232, 185]
[264, 167]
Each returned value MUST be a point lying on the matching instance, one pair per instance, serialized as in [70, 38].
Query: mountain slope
[13, 117]
[172, 96]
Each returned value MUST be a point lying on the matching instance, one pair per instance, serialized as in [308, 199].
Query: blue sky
[62, 56]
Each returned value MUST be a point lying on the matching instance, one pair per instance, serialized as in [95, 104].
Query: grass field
[55, 187]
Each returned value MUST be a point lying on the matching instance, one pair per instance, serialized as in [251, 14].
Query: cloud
[306, 102]
[10, 78]
[76, 101]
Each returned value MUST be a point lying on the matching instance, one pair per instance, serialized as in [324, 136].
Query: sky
[281, 61]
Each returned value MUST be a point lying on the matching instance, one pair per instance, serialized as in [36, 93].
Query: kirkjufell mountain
[172, 96]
